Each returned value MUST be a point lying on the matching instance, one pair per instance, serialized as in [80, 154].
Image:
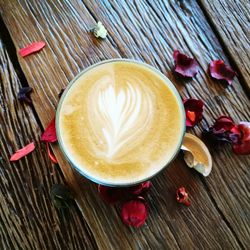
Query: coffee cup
[120, 122]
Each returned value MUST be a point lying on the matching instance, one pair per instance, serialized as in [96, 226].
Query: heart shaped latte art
[120, 117]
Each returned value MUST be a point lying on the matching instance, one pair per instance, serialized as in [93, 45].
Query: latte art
[120, 117]
[120, 123]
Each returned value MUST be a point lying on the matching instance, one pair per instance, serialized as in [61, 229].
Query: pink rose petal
[23, 152]
[219, 70]
[31, 48]
[184, 65]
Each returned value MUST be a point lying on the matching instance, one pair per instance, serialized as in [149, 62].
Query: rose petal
[23, 94]
[50, 154]
[224, 129]
[49, 135]
[219, 70]
[141, 188]
[184, 65]
[182, 196]
[23, 152]
[134, 212]
[31, 48]
[223, 124]
[194, 110]
[110, 194]
[242, 147]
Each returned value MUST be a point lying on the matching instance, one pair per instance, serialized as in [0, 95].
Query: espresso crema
[120, 122]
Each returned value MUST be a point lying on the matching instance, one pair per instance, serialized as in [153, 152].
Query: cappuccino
[120, 122]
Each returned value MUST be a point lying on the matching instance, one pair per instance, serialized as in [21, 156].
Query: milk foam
[119, 116]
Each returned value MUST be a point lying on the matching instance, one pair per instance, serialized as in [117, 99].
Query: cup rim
[78, 168]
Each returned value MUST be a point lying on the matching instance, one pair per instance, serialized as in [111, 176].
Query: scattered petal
[24, 94]
[110, 194]
[49, 135]
[99, 30]
[242, 147]
[219, 70]
[23, 152]
[224, 129]
[134, 212]
[51, 155]
[182, 196]
[196, 154]
[31, 48]
[141, 188]
[185, 65]
[194, 110]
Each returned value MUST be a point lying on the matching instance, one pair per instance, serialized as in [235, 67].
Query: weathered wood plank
[28, 218]
[148, 32]
[231, 21]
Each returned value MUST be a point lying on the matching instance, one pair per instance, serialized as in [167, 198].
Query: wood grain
[230, 20]
[28, 218]
[218, 217]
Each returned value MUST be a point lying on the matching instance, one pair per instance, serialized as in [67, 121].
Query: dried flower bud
[99, 30]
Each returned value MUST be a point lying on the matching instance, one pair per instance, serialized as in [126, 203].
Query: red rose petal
[23, 152]
[141, 188]
[224, 129]
[134, 212]
[242, 147]
[110, 194]
[184, 65]
[31, 48]
[223, 124]
[194, 110]
[182, 196]
[49, 134]
[50, 154]
[219, 70]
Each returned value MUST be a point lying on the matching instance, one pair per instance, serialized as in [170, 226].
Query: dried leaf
[32, 48]
[23, 152]
[24, 94]
[61, 196]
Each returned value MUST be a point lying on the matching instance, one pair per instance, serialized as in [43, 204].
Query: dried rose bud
[134, 212]
[182, 196]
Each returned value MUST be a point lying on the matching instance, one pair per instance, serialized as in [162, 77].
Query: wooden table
[149, 31]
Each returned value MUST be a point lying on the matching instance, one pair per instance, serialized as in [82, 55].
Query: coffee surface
[120, 122]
